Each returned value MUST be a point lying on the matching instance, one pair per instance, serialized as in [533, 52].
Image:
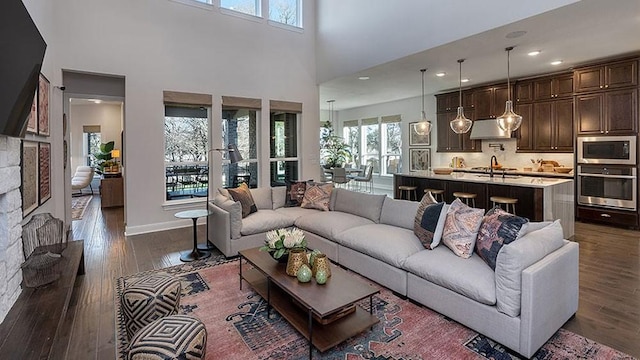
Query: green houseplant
[335, 152]
[103, 157]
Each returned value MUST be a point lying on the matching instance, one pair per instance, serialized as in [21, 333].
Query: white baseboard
[163, 226]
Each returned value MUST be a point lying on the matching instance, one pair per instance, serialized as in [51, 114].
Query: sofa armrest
[219, 229]
[549, 297]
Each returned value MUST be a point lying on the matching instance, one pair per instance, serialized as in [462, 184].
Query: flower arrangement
[279, 242]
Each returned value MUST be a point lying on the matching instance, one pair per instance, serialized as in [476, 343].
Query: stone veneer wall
[10, 224]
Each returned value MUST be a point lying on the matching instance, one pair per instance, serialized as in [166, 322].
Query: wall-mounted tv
[21, 54]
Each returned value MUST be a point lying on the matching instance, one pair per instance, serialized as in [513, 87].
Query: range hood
[488, 129]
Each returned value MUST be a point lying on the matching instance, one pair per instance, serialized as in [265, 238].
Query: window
[370, 140]
[93, 146]
[251, 7]
[186, 134]
[391, 145]
[376, 142]
[351, 135]
[284, 147]
[286, 12]
[239, 127]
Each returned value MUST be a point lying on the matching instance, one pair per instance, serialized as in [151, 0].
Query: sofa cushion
[461, 228]
[317, 196]
[295, 212]
[295, 193]
[262, 198]
[387, 243]
[498, 228]
[278, 196]
[330, 223]
[263, 221]
[470, 277]
[235, 213]
[519, 255]
[365, 205]
[398, 212]
[243, 195]
[429, 221]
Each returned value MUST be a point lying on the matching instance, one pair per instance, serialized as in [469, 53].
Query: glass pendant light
[460, 124]
[423, 127]
[509, 121]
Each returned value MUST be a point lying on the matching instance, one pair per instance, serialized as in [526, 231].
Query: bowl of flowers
[279, 242]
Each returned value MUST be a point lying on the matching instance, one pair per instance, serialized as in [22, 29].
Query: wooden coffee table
[325, 315]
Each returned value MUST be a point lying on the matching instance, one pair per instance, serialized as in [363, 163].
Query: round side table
[195, 254]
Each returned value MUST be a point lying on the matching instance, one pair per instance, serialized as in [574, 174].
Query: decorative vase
[321, 277]
[297, 258]
[304, 273]
[321, 262]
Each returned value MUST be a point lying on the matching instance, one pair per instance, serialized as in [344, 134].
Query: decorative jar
[297, 258]
[321, 262]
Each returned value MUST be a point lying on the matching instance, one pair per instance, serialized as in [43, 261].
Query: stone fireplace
[10, 224]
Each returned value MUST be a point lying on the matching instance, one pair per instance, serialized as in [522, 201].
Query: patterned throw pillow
[461, 228]
[429, 221]
[317, 196]
[243, 195]
[498, 228]
[295, 193]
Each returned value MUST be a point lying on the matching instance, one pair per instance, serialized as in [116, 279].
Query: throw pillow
[429, 221]
[461, 228]
[498, 228]
[243, 195]
[234, 208]
[317, 196]
[295, 193]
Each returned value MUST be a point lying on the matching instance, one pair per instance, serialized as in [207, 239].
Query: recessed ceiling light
[441, 74]
[464, 80]
[364, 78]
[534, 53]
[96, 101]
[557, 62]
[515, 34]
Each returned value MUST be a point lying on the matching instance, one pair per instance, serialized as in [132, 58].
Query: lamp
[234, 153]
[115, 153]
[509, 121]
[460, 124]
[423, 127]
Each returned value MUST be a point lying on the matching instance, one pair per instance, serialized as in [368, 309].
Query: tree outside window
[285, 12]
[251, 7]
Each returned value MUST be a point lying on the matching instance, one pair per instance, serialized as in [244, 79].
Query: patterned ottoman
[172, 337]
[148, 299]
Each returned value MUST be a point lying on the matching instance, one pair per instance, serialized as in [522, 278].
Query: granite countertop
[509, 179]
[519, 172]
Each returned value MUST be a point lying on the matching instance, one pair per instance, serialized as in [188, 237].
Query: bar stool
[408, 189]
[506, 201]
[467, 198]
[438, 194]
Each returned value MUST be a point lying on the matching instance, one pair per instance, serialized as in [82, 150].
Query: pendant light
[509, 121]
[423, 127]
[460, 124]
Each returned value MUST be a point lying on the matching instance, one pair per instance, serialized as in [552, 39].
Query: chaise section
[328, 224]
[295, 212]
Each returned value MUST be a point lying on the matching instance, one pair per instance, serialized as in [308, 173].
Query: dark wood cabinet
[608, 76]
[112, 192]
[490, 101]
[553, 126]
[607, 216]
[447, 102]
[524, 134]
[523, 91]
[552, 87]
[611, 112]
[448, 141]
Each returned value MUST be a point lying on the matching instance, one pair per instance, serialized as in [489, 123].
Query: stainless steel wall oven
[612, 186]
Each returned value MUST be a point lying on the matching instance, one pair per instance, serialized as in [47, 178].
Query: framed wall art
[44, 172]
[416, 139]
[29, 174]
[419, 159]
[32, 123]
[43, 106]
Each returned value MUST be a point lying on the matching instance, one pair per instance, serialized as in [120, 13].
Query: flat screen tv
[21, 54]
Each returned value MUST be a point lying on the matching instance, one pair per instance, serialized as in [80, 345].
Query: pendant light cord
[509, 71]
[422, 71]
[460, 81]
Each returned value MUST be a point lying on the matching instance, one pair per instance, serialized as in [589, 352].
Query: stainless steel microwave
[607, 150]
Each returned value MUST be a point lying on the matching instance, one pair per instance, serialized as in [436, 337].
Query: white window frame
[242, 14]
[246, 162]
[297, 26]
[298, 149]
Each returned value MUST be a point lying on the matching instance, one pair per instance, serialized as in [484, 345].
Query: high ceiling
[576, 34]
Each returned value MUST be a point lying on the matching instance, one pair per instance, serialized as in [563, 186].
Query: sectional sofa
[530, 295]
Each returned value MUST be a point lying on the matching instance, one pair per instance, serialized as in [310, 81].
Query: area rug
[79, 205]
[239, 329]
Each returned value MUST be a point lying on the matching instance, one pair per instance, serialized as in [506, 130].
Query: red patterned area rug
[238, 327]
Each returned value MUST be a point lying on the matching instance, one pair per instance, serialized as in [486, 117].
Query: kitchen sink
[498, 176]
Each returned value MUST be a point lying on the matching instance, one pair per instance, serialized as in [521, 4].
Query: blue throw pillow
[498, 228]
[429, 221]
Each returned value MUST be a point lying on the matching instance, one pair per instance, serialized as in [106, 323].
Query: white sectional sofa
[530, 295]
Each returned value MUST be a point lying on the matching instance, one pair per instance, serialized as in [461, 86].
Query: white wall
[164, 45]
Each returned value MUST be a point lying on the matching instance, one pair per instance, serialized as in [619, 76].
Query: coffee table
[325, 315]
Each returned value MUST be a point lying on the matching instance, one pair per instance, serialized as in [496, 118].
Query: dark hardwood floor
[609, 309]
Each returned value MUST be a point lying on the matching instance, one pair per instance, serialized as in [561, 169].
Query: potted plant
[103, 157]
[335, 152]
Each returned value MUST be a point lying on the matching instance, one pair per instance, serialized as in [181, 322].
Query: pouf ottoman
[148, 299]
[172, 337]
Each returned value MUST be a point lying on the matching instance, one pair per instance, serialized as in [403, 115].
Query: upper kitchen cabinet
[553, 126]
[608, 76]
[448, 141]
[449, 102]
[524, 134]
[609, 113]
[557, 86]
[524, 91]
[490, 101]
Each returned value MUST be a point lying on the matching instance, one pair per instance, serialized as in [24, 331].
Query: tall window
[186, 134]
[251, 7]
[239, 127]
[376, 142]
[391, 146]
[351, 135]
[283, 147]
[370, 140]
[93, 141]
[286, 12]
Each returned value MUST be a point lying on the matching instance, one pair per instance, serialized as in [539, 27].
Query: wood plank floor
[609, 309]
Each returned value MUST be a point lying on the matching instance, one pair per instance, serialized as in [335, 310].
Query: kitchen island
[539, 198]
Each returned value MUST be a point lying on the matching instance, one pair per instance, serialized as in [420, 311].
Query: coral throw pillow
[429, 221]
[461, 228]
[498, 228]
[243, 195]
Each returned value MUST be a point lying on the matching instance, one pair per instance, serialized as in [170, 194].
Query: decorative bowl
[442, 171]
[562, 169]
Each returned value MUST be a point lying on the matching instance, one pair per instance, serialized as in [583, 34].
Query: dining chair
[339, 177]
[366, 178]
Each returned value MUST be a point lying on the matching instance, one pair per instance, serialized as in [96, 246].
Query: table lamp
[115, 153]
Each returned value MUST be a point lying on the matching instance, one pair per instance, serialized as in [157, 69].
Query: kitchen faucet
[493, 157]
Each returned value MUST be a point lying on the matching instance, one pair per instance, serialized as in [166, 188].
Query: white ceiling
[576, 33]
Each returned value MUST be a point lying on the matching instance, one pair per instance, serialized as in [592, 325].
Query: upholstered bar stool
[408, 190]
[438, 194]
[506, 201]
[467, 198]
